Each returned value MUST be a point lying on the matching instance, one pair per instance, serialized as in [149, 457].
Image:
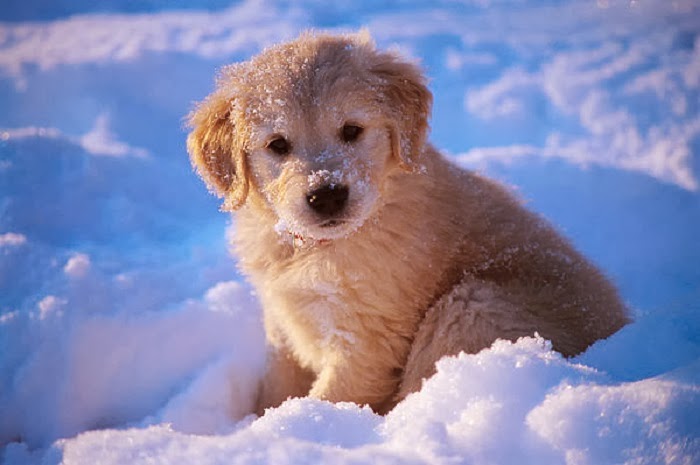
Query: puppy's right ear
[216, 150]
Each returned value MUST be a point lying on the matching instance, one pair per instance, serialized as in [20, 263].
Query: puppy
[372, 254]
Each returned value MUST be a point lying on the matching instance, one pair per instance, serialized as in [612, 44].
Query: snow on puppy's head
[309, 130]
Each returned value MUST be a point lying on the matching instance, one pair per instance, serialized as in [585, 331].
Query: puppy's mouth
[332, 230]
[324, 232]
[328, 213]
[332, 223]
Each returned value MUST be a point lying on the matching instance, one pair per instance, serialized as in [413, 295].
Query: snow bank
[78, 372]
[514, 403]
[652, 421]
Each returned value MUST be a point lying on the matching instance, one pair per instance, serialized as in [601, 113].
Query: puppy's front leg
[284, 378]
[352, 381]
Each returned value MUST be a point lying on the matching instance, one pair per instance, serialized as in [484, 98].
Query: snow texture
[127, 336]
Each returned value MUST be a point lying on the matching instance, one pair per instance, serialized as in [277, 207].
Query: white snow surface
[126, 336]
[514, 403]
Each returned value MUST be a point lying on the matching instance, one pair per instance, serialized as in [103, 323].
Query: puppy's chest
[323, 306]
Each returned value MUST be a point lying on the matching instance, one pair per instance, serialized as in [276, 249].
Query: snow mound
[513, 403]
[80, 371]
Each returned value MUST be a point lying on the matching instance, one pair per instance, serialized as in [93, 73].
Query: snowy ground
[126, 335]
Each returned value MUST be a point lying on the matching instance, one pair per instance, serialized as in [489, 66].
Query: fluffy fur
[422, 259]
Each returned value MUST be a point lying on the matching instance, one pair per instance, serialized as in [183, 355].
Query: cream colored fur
[426, 260]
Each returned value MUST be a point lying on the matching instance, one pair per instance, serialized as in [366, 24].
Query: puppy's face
[312, 128]
[319, 159]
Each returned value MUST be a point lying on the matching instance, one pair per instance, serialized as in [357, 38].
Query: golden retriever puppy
[372, 254]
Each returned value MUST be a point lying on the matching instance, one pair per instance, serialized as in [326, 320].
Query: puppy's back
[510, 275]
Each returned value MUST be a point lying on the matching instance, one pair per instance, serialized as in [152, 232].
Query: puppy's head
[311, 128]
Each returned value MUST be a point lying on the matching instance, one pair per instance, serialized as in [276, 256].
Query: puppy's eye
[280, 146]
[350, 132]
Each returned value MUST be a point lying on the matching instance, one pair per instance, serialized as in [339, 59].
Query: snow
[12, 240]
[127, 336]
[77, 266]
[468, 412]
[100, 141]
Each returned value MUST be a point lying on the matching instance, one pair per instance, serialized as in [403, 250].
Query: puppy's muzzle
[328, 201]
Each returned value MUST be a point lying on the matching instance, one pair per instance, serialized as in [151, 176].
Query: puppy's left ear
[405, 92]
[216, 149]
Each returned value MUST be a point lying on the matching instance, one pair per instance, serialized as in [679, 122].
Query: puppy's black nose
[328, 200]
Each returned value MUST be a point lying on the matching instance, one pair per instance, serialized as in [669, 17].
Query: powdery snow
[515, 403]
[80, 371]
[12, 240]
